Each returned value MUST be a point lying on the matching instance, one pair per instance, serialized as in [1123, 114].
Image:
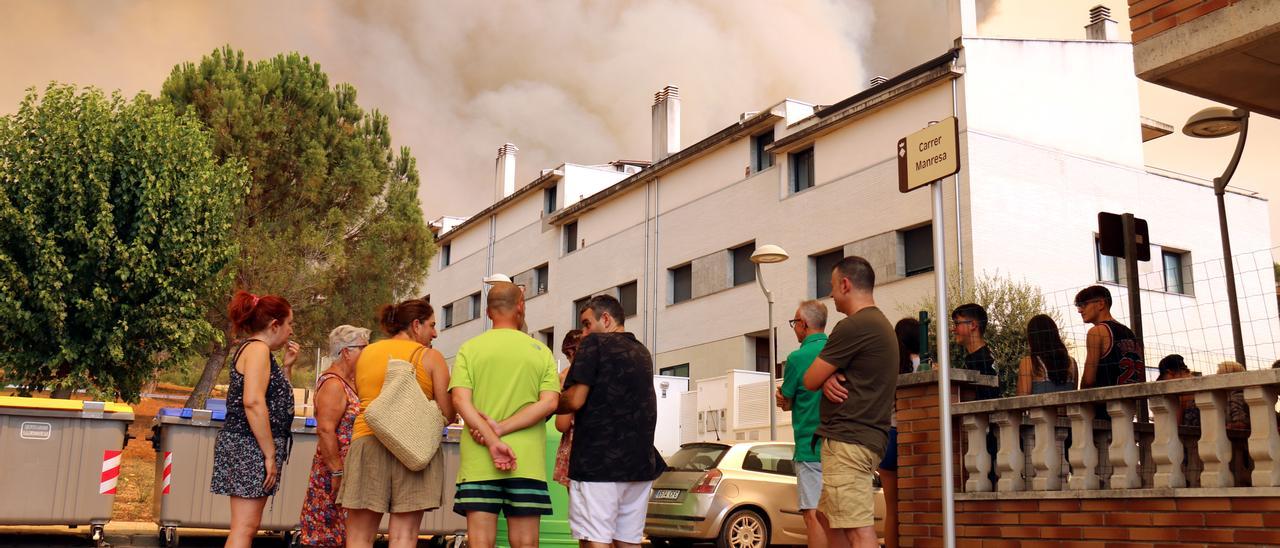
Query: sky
[565, 80]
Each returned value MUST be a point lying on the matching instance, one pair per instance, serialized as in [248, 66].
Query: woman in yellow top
[374, 481]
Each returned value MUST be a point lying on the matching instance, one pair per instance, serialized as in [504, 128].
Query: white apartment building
[1051, 135]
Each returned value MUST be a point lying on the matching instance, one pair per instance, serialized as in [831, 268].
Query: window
[627, 296]
[448, 315]
[822, 266]
[475, 306]
[541, 279]
[744, 271]
[773, 459]
[549, 200]
[802, 170]
[444, 255]
[762, 353]
[917, 250]
[548, 337]
[571, 237]
[681, 370]
[681, 283]
[577, 311]
[761, 160]
[1173, 272]
[1108, 267]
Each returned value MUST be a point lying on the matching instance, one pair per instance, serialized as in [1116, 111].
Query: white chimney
[1101, 26]
[877, 80]
[666, 122]
[505, 172]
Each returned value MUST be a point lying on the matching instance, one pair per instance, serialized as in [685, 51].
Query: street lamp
[1210, 123]
[767, 254]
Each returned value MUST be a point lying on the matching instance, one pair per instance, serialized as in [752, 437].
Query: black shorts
[512, 497]
[890, 461]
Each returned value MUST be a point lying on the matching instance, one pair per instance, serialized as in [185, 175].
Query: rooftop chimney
[877, 80]
[1101, 26]
[666, 122]
[505, 172]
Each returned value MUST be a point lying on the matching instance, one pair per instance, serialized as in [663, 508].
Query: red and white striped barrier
[168, 471]
[110, 472]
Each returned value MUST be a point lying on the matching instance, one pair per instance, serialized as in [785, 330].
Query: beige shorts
[373, 479]
[847, 498]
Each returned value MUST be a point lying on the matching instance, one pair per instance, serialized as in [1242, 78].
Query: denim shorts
[809, 484]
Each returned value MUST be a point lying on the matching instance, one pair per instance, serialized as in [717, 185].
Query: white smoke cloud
[568, 80]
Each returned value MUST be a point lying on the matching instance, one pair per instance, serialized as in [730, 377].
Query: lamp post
[766, 254]
[1211, 123]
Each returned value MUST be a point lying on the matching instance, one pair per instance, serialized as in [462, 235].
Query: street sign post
[1127, 237]
[925, 158]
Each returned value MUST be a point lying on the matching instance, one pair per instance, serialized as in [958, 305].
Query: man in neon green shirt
[809, 325]
[504, 385]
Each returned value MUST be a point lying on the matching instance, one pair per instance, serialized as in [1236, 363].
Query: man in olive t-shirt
[863, 349]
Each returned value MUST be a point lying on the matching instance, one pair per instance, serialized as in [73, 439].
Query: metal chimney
[877, 80]
[505, 172]
[666, 122]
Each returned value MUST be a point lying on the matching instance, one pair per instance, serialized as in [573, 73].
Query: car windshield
[696, 458]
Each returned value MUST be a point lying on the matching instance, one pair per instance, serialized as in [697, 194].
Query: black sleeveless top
[279, 400]
[1123, 363]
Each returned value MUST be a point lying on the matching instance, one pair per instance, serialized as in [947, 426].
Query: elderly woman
[323, 521]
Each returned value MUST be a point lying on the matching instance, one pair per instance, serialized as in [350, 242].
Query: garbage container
[60, 460]
[553, 529]
[184, 440]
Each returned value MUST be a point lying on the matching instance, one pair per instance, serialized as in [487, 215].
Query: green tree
[114, 220]
[332, 221]
[1009, 303]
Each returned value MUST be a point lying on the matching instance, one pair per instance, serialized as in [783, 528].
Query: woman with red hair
[254, 442]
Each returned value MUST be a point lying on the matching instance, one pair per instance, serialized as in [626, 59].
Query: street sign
[929, 155]
[1111, 236]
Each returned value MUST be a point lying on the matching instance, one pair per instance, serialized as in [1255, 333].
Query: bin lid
[185, 413]
[58, 404]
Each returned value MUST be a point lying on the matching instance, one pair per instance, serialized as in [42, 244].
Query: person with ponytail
[254, 442]
[374, 481]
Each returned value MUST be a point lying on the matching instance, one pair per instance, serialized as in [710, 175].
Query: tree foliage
[332, 221]
[1010, 304]
[114, 221]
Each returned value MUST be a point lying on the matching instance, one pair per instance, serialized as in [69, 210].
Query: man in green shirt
[809, 325]
[504, 385]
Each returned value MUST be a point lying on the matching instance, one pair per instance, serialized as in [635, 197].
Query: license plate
[666, 494]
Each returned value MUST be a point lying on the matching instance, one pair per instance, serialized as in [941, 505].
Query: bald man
[504, 385]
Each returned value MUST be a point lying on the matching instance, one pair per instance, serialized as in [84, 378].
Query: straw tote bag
[407, 423]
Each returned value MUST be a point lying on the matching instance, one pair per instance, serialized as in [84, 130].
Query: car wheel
[743, 529]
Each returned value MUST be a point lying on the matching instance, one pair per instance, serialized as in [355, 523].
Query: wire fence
[1185, 310]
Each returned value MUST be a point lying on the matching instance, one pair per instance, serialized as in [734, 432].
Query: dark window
[577, 310]
[761, 160]
[571, 237]
[475, 306]
[822, 266]
[444, 255]
[1108, 267]
[774, 459]
[744, 271]
[681, 370]
[549, 200]
[917, 250]
[448, 315]
[549, 338]
[1173, 264]
[802, 170]
[762, 354]
[627, 296]
[681, 283]
[697, 457]
[541, 280]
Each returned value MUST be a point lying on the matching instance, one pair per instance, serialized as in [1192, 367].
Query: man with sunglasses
[808, 325]
[1114, 352]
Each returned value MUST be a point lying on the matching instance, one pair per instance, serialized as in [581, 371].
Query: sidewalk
[120, 534]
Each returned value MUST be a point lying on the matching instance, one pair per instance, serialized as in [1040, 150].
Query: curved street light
[769, 254]
[1211, 123]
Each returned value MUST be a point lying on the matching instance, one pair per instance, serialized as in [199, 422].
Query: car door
[775, 489]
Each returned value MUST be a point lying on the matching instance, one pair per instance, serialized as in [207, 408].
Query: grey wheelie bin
[60, 461]
[184, 440]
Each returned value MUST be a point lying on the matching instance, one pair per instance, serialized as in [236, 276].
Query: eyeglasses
[355, 346]
[1086, 303]
[795, 322]
[962, 322]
